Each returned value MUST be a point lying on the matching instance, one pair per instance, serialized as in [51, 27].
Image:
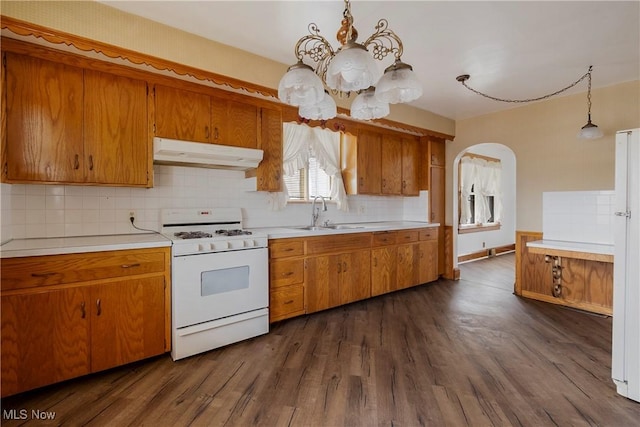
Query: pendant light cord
[463, 79]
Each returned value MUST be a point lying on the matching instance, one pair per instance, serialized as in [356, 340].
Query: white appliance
[174, 152]
[219, 279]
[625, 364]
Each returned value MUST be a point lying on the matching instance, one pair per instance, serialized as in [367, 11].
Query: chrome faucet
[315, 212]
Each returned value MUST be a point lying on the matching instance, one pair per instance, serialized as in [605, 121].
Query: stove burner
[192, 235]
[233, 232]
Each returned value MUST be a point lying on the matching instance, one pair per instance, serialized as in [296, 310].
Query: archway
[471, 245]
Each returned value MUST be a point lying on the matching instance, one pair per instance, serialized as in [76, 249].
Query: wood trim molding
[24, 28]
[478, 228]
[589, 256]
[487, 252]
[522, 237]
[480, 156]
[27, 29]
[590, 307]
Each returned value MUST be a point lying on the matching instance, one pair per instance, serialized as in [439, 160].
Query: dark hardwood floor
[443, 354]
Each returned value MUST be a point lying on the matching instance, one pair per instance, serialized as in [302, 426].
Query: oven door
[217, 285]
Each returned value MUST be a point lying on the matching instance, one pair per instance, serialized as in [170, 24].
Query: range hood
[198, 154]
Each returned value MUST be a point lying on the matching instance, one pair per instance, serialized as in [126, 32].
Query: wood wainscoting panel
[525, 261]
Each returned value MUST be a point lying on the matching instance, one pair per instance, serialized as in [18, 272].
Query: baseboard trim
[485, 253]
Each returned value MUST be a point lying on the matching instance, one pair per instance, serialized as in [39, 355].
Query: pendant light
[590, 130]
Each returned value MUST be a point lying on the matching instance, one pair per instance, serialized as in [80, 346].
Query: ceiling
[516, 49]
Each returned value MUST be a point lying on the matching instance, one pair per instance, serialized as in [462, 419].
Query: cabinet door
[383, 270]
[234, 123]
[369, 160]
[355, 276]
[45, 338]
[127, 322]
[410, 167]
[269, 173]
[437, 148]
[44, 121]
[406, 272]
[321, 287]
[115, 129]
[182, 114]
[391, 165]
[428, 261]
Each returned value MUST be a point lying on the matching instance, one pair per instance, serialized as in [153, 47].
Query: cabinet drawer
[338, 243]
[407, 236]
[384, 238]
[279, 248]
[29, 272]
[286, 302]
[429, 234]
[286, 272]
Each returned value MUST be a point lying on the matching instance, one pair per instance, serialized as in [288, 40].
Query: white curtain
[299, 139]
[467, 177]
[326, 148]
[486, 179]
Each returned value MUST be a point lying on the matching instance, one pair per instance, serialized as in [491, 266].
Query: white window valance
[481, 178]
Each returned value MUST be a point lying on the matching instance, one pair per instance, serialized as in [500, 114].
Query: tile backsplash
[578, 216]
[31, 210]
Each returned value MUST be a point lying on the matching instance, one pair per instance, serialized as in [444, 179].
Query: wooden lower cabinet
[321, 272]
[585, 283]
[334, 280]
[55, 331]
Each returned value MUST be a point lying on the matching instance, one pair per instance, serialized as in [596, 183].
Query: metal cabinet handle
[206, 132]
[99, 307]
[83, 310]
[91, 162]
[404, 184]
[288, 302]
[287, 274]
[344, 267]
[130, 265]
[339, 267]
[76, 162]
[216, 133]
[375, 262]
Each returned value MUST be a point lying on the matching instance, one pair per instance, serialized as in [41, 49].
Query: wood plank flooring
[443, 354]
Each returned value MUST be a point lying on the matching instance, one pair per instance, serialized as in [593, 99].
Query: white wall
[31, 210]
[475, 242]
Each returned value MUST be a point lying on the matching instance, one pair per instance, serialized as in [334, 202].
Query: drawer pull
[344, 267]
[43, 274]
[288, 302]
[287, 274]
[339, 267]
[137, 264]
[99, 307]
[83, 311]
[76, 162]
[91, 162]
[287, 250]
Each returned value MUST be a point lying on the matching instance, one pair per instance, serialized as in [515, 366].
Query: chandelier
[350, 68]
[588, 131]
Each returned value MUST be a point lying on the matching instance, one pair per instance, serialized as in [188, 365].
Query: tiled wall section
[578, 216]
[67, 210]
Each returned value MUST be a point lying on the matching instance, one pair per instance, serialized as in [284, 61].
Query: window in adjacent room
[480, 193]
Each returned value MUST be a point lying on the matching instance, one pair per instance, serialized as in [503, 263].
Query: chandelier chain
[463, 79]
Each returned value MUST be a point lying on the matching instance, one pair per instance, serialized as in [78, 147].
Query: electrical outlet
[132, 214]
[361, 209]
[484, 244]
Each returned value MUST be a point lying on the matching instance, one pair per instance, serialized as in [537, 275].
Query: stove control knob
[236, 244]
[249, 243]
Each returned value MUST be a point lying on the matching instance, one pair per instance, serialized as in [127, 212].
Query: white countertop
[592, 248]
[363, 227]
[67, 245]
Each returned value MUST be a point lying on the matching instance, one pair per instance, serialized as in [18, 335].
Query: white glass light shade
[352, 69]
[398, 84]
[590, 131]
[324, 110]
[367, 107]
[300, 86]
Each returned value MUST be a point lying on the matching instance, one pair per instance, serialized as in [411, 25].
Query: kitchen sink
[344, 227]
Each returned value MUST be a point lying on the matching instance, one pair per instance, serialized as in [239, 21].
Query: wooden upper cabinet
[182, 114]
[44, 141]
[234, 123]
[410, 167]
[269, 172]
[71, 125]
[437, 149]
[361, 159]
[115, 129]
[391, 164]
